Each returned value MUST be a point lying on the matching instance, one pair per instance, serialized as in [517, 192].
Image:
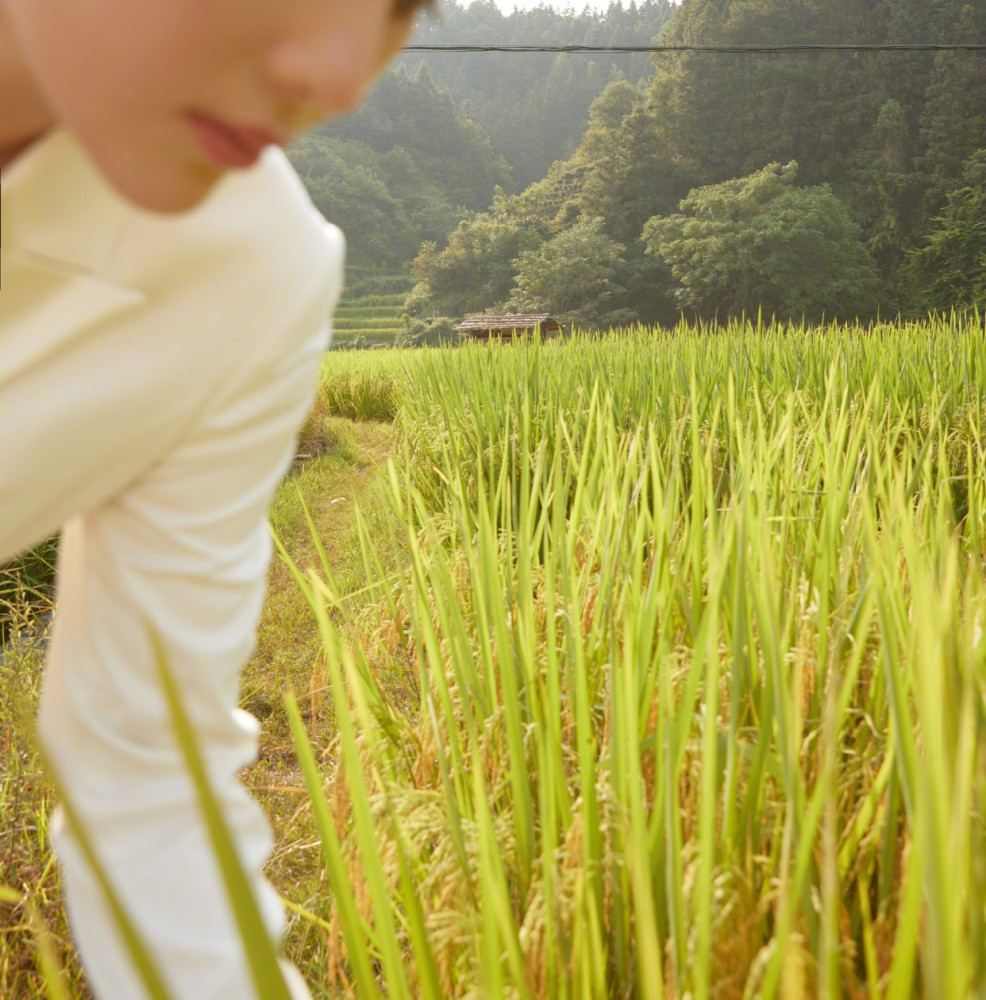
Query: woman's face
[167, 95]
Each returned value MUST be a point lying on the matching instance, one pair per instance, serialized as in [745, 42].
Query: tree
[573, 277]
[887, 132]
[534, 105]
[954, 117]
[383, 202]
[760, 242]
[347, 189]
[630, 175]
[475, 271]
[949, 271]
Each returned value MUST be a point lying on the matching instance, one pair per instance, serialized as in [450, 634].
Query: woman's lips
[229, 145]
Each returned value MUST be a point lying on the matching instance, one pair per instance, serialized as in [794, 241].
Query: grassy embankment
[667, 677]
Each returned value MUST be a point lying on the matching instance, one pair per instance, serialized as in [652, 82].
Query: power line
[735, 49]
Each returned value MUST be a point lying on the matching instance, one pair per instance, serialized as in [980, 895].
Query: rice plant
[682, 693]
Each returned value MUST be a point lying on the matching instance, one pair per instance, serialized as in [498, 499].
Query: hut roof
[517, 321]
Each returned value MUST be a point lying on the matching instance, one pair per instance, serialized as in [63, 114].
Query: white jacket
[154, 371]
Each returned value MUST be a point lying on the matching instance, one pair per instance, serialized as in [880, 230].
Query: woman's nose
[328, 66]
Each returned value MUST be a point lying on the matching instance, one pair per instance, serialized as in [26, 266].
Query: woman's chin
[163, 189]
[181, 195]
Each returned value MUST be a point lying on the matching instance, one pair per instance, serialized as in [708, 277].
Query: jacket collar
[56, 208]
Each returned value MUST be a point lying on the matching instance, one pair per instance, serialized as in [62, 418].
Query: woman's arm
[183, 552]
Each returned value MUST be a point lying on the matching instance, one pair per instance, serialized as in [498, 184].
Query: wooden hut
[516, 325]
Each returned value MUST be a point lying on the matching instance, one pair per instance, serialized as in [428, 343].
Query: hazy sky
[508, 5]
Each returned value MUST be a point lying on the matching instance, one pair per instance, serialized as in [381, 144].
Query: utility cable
[735, 49]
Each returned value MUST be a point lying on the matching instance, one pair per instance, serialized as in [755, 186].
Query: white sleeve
[184, 551]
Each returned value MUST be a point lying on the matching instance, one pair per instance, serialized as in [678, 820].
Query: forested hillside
[441, 131]
[813, 184]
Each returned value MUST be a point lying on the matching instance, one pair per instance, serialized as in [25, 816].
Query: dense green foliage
[477, 263]
[414, 160]
[888, 144]
[409, 113]
[951, 267]
[573, 276]
[760, 243]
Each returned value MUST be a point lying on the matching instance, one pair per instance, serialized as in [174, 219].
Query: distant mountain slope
[534, 107]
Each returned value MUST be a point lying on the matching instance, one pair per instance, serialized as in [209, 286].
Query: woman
[165, 285]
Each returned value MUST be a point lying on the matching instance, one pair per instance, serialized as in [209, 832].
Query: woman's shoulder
[256, 225]
[273, 203]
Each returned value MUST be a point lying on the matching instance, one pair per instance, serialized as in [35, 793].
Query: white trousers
[110, 745]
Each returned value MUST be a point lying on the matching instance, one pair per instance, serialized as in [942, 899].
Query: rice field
[682, 692]
[677, 688]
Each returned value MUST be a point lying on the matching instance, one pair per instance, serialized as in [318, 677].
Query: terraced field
[374, 318]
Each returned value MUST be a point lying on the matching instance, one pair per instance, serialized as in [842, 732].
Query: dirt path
[345, 475]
